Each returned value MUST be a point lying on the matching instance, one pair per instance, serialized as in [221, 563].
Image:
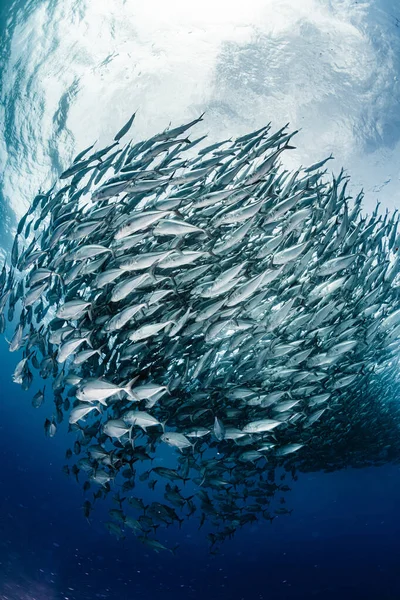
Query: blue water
[341, 541]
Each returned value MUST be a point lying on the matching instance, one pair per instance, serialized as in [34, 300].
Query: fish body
[261, 426]
[99, 390]
[80, 412]
[176, 440]
[141, 419]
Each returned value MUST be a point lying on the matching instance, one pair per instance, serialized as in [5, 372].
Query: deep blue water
[341, 541]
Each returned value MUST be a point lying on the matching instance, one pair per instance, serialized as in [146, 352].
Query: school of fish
[211, 322]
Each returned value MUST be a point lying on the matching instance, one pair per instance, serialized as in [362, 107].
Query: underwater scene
[199, 300]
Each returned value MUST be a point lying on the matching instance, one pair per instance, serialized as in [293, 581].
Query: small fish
[124, 130]
[177, 440]
[38, 398]
[80, 412]
[219, 429]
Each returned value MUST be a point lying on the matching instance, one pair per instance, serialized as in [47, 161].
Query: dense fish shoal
[213, 305]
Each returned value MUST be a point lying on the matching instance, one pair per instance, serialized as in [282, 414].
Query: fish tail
[128, 388]
[88, 340]
[132, 440]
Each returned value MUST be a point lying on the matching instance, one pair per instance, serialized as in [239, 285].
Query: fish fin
[175, 548]
[152, 272]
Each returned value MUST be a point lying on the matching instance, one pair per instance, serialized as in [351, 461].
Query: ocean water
[64, 83]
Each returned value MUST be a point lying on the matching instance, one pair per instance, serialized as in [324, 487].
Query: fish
[261, 425]
[72, 310]
[116, 428]
[288, 449]
[219, 429]
[205, 303]
[19, 371]
[70, 347]
[176, 439]
[99, 390]
[50, 427]
[154, 544]
[119, 320]
[38, 398]
[80, 412]
[142, 419]
[101, 477]
[124, 130]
